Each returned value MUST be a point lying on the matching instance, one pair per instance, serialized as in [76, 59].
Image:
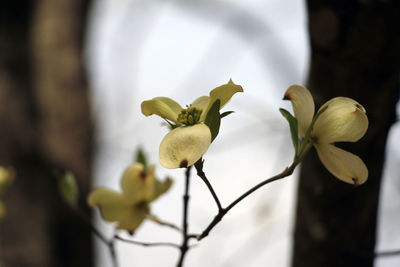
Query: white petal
[112, 204]
[201, 102]
[115, 207]
[224, 93]
[303, 106]
[162, 106]
[342, 164]
[343, 121]
[183, 146]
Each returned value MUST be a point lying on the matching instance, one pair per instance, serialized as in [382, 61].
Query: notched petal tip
[239, 88]
[224, 93]
[343, 164]
[183, 164]
[142, 175]
[360, 107]
[286, 96]
[356, 181]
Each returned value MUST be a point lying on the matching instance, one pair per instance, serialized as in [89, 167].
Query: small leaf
[68, 189]
[293, 127]
[160, 187]
[213, 119]
[141, 158]
[226, 113]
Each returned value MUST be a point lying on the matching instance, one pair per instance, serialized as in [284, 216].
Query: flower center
[190, 115]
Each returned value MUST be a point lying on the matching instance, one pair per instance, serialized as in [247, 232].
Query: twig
[287, 172]
[202, 175]
[111, 247]
[147, 244]
[163, 223]
[184, 246]
[388, 253]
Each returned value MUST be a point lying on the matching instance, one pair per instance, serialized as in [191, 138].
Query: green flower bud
[68, 189]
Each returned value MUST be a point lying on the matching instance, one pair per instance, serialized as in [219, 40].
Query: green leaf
[213, 119]
[293, 127]
[141, 158]
[161, 187]
[68, 189]
[226, 113]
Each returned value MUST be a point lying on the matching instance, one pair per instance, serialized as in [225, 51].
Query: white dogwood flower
[343, 120]
[130, 207]
[190, 137]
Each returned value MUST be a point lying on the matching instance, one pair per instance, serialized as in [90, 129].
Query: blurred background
[72, 77]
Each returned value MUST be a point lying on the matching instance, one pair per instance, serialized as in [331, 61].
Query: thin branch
[388, 253]
[202, 175]
[147, 244]
[111, 246]
[164, 223]
[287, 172]
[184, 246]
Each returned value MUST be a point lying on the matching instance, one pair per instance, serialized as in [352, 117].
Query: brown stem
[387, 253]
[147, 244]
[111, 247]
[184, 246]
[164, 223]
[202, 175]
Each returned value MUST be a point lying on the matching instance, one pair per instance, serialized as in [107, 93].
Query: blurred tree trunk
[45, 126]
[355, 52]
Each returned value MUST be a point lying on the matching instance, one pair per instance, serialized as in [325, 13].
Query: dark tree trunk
[45, 126]
[355, 49]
